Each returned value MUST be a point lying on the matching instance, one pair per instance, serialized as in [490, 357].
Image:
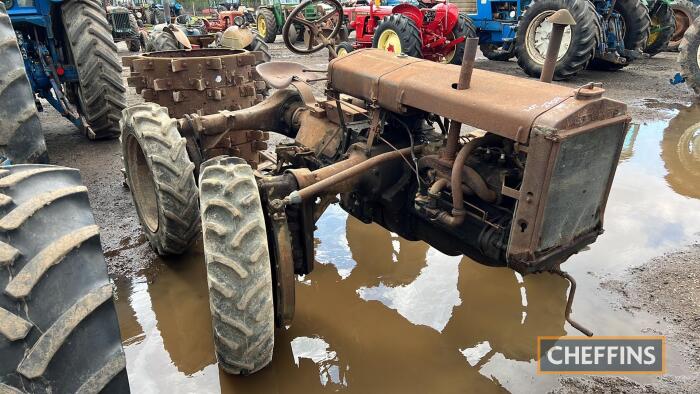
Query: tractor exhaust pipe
[559, 20]
[465, 79]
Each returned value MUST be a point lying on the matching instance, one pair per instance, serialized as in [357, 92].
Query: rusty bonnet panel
[501, 104]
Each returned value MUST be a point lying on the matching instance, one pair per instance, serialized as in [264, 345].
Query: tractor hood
[502, 104]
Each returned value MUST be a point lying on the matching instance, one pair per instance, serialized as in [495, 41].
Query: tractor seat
[279, 75]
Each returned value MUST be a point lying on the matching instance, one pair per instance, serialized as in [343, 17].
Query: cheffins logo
[601, 355]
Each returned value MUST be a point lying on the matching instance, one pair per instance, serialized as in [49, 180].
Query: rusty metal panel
[499, 103]
[198, 81]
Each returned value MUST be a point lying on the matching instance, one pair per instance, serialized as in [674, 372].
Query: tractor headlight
[138, 14]
[512, 14]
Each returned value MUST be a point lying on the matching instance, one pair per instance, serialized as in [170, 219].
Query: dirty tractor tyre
[463, 28]
[21, 139]
[259, 45]
[663, 24]
[399, 34]
[58, 324]
[684, 12]
[158, 16]
[100, 90]
[238, 265]
[689, 56]
[161, 178]
[162, 41]
[497, 53]
[134, 44]
[577, 44]
[343, 49]
[636, 28]
[266, 25]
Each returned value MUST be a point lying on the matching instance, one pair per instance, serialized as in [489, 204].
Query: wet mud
[380, 313]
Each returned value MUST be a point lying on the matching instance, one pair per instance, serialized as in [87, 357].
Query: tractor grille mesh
[579, 182]
[120, 21]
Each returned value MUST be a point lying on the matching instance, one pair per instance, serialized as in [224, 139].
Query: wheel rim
[141, 183]
[682, 24]
[262, 26]
[654, 31]
[689, 148]
[341, 52]
[389, 41]
[537, 38]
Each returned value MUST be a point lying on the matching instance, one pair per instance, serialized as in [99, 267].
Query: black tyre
[58, 325]
[684, 12]
[158, 16]
[162, 41]
[689, 58]
[100, 91]
[260, 45]
[134, 44]
[161, 178]
[266, 25]
[635, 17]
[498, 52]
[21, 139]
[463, 28]
[663, 25]
[238, 265]
[577, 45]
[343, 48]
[397, 33]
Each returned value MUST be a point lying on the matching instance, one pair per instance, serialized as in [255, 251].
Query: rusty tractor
[524, 186]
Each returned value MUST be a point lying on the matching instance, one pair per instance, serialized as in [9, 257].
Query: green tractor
[271, 15]
[663, 25]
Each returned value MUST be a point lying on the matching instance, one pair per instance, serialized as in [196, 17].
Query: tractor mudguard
[452, 16]
[410, 11]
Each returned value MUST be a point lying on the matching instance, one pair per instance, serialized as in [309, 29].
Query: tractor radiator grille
[579, 185]
[120, 21]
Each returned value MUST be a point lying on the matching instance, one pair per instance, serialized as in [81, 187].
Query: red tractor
[434, 31]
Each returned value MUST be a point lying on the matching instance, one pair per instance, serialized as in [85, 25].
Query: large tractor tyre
[663, 24]
[238, 265]
[463, 28]
[161, 178]
[134, 44]
[267, 25]
[635, 17]
[58, 325]
[259, 45]
[497, 52]
[162, 41]
[684, 12]
[100, 90]
[689, 57]
[398, 33]
[21, 139]
[158, 16]
[577, 45]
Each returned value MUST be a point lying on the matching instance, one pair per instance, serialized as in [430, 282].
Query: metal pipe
[570, 301]
[323, 184]
[477, 183]
[559, 21]
[465, 78]
[550, 61]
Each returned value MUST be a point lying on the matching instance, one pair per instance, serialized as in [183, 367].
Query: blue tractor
[609, 34]
[61, 51]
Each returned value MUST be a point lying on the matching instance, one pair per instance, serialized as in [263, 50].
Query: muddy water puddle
[380, 313]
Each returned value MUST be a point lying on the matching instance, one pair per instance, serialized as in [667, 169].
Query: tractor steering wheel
[317, 40]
